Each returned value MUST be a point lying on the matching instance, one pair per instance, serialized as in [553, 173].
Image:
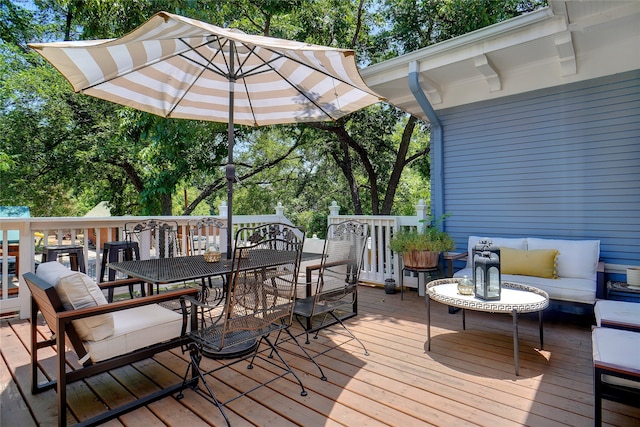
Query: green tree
[413, 24]
[65, 152]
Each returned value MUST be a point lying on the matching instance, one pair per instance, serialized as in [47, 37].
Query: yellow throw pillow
[538, 262]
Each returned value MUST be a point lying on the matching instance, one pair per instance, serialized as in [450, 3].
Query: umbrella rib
[209, 65]
[301, 92]
[232, 73]
[282, 55]
[184, 93]
[264, 67]
[241, 75]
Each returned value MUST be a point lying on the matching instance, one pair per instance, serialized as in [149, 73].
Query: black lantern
[486, 271]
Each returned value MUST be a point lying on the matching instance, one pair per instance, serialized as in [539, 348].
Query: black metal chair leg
[194, 364]
[298, 319]
[303, 392]
[323, 377]
[324, 319]
[366, 353]
[255, 353]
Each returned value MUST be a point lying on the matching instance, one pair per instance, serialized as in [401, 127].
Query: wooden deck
[467, 378]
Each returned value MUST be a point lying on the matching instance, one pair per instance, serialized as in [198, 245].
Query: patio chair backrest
[263, 294]
[44, 297]
[156, 238]
[341, 263]
[207, 232]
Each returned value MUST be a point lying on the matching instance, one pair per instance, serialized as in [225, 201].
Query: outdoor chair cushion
[617, 347]
[136, 328]
[124, 331]
[77, 290]
[623, 314]
[52, 271]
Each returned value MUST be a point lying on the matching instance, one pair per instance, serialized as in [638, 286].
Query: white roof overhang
[567, 42]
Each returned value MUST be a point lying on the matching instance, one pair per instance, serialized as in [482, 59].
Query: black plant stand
[418, 271]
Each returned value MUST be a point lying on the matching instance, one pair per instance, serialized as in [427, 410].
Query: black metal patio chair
[334, 298]
[155, 238]
[259, 301]
[205, 235]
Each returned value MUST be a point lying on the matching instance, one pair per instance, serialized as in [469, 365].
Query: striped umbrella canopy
[178, 67]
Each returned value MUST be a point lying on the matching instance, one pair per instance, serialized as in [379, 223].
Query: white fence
[91, 233]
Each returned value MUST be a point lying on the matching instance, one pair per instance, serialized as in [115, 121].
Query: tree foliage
[415, 24]
[61, 152]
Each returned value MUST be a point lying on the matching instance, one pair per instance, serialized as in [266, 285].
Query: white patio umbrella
[178, 67]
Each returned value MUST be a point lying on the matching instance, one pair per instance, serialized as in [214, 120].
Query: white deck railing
[91, 233]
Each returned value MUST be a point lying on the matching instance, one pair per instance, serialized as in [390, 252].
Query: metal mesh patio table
[162, 271]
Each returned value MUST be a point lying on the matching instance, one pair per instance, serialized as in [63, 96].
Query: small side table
[620, 291]
[450, 257]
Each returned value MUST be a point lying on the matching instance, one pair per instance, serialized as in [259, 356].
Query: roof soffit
[566, 42]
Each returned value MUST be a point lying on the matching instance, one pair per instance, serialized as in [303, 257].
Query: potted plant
[421, 250]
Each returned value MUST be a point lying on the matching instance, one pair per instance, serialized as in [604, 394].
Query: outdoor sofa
[568, 270]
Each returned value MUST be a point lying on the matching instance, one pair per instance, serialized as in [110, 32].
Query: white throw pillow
[576, 258]
[77, 290]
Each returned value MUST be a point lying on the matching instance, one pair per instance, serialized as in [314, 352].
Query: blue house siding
[555, 163]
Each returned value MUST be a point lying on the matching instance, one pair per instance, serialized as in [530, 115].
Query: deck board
[466, 379]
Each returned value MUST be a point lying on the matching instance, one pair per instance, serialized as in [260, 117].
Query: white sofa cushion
[136, 328]
[565, 289]
[617, 311]
[509, 242]
[576, 258]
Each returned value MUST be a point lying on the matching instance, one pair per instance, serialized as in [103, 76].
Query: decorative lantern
[486, 271]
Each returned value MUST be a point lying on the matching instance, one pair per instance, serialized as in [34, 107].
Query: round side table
[515, 298]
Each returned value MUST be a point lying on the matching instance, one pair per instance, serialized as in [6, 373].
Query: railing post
[27, 264]
[222, 210]
[279, 209]
[421, 215]
[334, 209]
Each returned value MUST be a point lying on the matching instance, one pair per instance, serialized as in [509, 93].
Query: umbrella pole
[231, 168]
[231, 173]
